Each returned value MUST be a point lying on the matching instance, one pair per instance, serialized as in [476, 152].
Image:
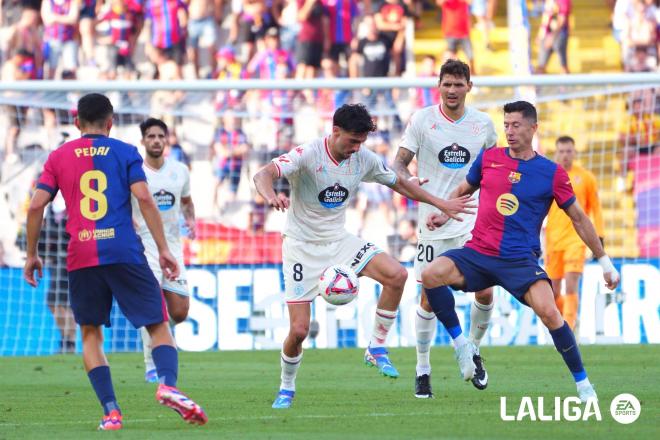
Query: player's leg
[292, 352]
[91, 301]
[150, 371]
[481, 310]
[388, 272]
[554, 267]
[574, 265]
[139, 297]
[541, 300]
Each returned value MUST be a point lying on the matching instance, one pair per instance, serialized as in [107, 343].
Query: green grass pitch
[338, 397]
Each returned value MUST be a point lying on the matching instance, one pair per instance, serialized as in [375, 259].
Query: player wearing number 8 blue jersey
[97, 175]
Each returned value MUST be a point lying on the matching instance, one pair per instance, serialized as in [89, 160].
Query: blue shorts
[515, 275]
[134, 286]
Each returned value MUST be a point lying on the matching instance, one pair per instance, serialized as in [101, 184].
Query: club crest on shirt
[333, 196]
[164, 200]
[454, 156]
[476, 129]
[514, 177]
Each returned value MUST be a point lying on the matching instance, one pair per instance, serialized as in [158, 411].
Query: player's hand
[417, 180]
[169, 265]
[459, 205]
[279, 202]
[190, 226]
[612, 279]
[32, 264]
[435, 220]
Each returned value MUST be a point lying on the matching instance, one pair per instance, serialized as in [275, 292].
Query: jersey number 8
[92, 194]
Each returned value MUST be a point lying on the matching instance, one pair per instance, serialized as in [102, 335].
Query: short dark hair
[565, 140]
[456, 68]
[151, 122]
[354, 118]
[94, 108]
[527, 109]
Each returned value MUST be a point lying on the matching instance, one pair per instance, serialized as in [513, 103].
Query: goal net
[226, 134]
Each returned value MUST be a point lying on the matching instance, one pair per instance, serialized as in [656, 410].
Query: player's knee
[432, 276]
[398, 279]
[179, 314]
[299, 331]
[550, 316]
[484, 297]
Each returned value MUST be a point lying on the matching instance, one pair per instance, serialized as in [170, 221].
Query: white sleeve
[491, 134]
[289, 163]
[412, 138]
[185, 191]
[376, 170]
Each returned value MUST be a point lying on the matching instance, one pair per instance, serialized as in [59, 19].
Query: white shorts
[179, 285]
[303, 263]
[429, 250]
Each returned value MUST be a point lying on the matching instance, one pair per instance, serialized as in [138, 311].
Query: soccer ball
[339, 285]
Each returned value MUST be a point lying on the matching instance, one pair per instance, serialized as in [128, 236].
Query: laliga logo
[568, 410]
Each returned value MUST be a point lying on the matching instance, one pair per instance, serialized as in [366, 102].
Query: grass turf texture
[338, 396]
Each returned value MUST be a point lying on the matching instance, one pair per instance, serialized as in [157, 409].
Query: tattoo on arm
[402, 160]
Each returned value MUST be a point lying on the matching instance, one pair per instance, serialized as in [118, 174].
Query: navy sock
[166, 360]
[443, 305]
[566, 345]
[102, 384]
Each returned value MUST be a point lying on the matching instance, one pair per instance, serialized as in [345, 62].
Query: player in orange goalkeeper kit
[565, 252]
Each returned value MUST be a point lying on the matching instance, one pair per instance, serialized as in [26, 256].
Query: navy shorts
[134, 286]
[516, 275]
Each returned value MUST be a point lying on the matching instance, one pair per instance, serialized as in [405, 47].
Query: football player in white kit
[324, 174]
[169, 182]
[446, 139]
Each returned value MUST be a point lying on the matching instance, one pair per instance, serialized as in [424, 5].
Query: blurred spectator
[391, 22]
[403, 244]
[60, 48]
[230, 145]
[20, 67]
[640, 60]
[281, 103]
[425, 97]
[456, 29]
[202, 33]
[263, 64]
[479, 8]
[227, 68]
[553, 34]
[174, 150]
[166, 21]
[250, 23]
[25, 35]
[373, 196]
[313, 39]
[114, 28]
[289, 25]
[641, 32]
[341, 14]
[257, 215]
[88, 11]
[641, 131]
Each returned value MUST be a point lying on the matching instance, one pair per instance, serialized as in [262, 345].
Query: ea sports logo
[507, 204]
[625, 408]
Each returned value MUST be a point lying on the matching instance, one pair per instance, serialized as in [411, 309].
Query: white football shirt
[167, 185]
[321, 188]
[445, 151]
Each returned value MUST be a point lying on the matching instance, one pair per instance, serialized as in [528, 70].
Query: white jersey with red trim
[445, 151]
[321, 188]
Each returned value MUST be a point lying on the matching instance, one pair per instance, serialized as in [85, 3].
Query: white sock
[290, 367]
[460, 341]
[425, 324]
[382, 323]
[146, 348]
[583, 383]
[479, 320]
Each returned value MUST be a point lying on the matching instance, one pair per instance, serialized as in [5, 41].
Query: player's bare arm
[155, 224]
[451, 208]
[188, 210]
[437, 219]
[400, 166]
[263, 181]
[35, 218]
[587, 233]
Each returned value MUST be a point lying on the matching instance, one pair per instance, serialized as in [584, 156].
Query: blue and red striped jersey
[94, 174]
[515, 196]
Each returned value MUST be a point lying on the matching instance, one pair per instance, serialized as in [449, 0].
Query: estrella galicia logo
[164, 199]
[333, 196]
[454, 156]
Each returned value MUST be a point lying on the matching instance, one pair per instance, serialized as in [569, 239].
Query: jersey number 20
[92, 194]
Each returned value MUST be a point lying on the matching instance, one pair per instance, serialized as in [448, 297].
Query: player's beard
[155, 154]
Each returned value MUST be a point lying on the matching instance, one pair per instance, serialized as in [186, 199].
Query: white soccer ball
[339, 284]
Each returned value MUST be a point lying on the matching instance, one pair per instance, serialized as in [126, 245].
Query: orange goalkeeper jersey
[559, 233]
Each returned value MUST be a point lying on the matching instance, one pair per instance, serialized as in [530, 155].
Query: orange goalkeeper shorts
[558, 263]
